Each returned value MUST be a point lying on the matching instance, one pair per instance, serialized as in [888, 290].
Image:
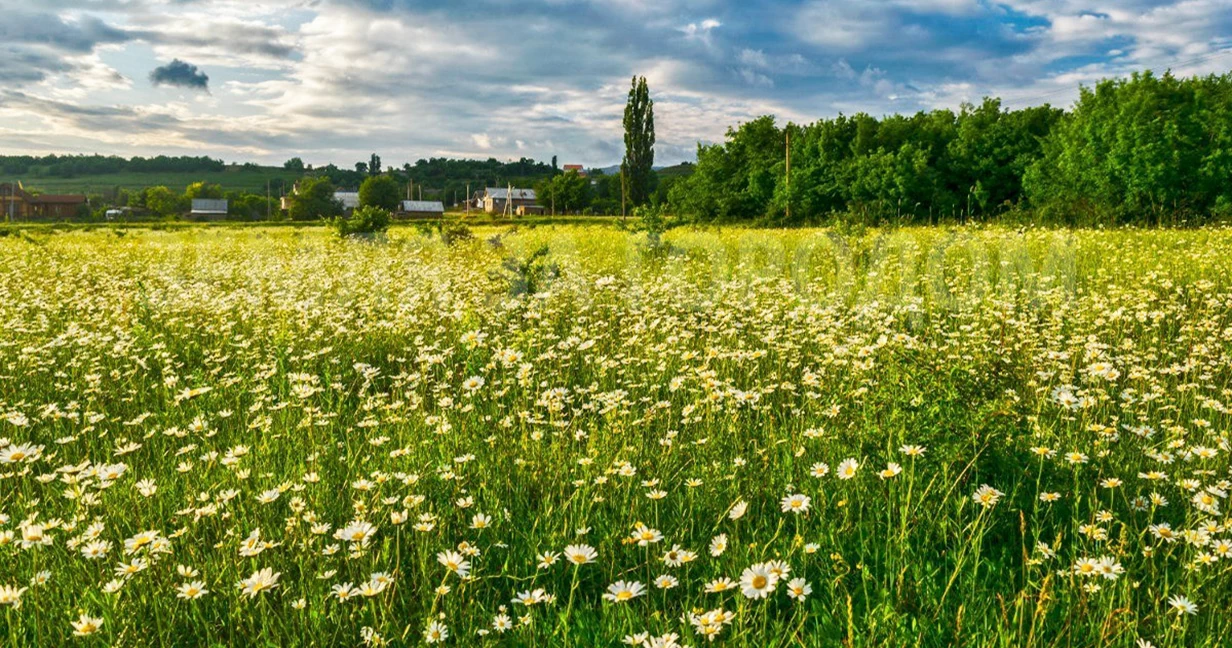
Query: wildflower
[622, 591]
[580, 554]
[11, 595]
[718, 545]
[848, 468]
[799, 589]
[797, 503]
[892, 469]
[436, 632]
[454, 562]
[666, 581]
[191, 591]
[86, 625]
[758, 581]
[987, 496]
[261, 581]
[1182, 605]
[737, 510]
[720, 585]
[912, 450]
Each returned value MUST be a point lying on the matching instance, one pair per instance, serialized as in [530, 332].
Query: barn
[421, 209]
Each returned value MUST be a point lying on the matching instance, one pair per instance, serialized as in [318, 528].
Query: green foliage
[315, 199]
[203, 190]
[161, 201]
[900, 168]
[379, 191]
[1145, 149]
[294, 164]
[367, 220]
[565, 193]
[454, 232]
[637, 168]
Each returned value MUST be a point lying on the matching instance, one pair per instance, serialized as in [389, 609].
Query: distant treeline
[69, 166]
[1148, 149]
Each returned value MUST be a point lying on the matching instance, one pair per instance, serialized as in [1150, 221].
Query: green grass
[233, 178]
[201, 384]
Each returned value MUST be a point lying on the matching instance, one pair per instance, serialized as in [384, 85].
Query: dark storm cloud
[180, 74]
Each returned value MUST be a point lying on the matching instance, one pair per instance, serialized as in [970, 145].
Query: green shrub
[364, 221]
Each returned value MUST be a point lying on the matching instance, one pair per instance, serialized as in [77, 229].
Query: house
[17, 204]
[577, 168]
[495, 199]
[349, 199]
[207, 207]
[421, 209]
[529, 210]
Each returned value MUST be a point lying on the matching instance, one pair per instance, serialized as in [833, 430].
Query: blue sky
[335, 80]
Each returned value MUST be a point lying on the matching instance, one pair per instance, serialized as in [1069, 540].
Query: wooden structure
[16, 204]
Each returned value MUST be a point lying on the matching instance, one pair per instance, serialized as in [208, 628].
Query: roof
[423, 206]
[58, 199]
[208, 206]
[501, 193]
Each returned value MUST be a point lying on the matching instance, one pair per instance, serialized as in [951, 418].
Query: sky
[336, 80]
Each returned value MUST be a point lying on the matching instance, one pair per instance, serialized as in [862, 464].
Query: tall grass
[1036, 420]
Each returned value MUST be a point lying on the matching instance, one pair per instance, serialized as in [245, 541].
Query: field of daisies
[568, 436]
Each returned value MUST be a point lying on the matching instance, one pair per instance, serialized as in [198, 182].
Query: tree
[637, 168]
[361, 168]
[374, 165]
[294, 164]
[203, 190]
[314, 199]
[564, 193]
[379, 191]
[163, 202]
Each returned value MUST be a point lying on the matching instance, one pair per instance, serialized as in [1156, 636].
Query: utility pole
[468, 200]
[268, 207]
[789, 172]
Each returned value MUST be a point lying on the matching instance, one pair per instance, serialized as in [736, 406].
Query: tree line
[69, 166]
[1148, 149]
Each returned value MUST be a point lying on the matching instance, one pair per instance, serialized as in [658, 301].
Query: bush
[364, 221]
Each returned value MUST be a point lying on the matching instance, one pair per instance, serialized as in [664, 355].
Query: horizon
[336, 80]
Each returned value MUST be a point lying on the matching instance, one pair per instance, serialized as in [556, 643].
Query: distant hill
[248, 178]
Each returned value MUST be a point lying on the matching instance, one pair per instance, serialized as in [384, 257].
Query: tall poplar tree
[637, 169]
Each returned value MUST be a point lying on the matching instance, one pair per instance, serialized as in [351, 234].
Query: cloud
[180, 74]
[334, 80]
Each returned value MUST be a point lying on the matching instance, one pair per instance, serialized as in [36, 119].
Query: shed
[422, 209]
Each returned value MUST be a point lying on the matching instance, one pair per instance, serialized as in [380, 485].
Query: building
[207, 207]
[579, 169]
[349, 199]
[495, 199]
[421, 209]
[531, 210]
[17, 204]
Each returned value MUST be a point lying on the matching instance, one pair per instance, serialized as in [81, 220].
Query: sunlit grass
[767, 438]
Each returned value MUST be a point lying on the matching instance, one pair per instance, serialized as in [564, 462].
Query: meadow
[565, 436]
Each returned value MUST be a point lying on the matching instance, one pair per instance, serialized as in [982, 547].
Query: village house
[495, 199]
[17, 204]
